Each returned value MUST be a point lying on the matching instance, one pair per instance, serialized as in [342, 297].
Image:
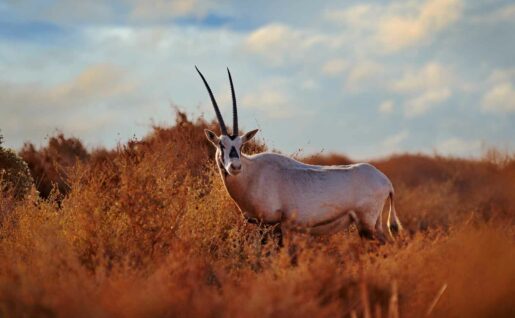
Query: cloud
[274, 103]
[397, 25]
[145, 52]
[425, 88]
[356, 16]
[279, 43]
[121, 76]
[65, 12]
[501, 75]
[275, 99]
[404, 30]
[93, 102]
[500, 98]
[111, 12]
[421, 104]
[363, 74]
[455, 146]
[430, 76]
[152, 10]
[273, 41]
[309, 84]
[94, 84]
[386, 107]
[100, 81]
[505, 13]
[335, 67]
[393, 143]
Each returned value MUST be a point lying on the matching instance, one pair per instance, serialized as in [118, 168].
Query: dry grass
[148, 230]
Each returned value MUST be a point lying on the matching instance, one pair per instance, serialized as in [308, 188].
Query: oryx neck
[237, 185]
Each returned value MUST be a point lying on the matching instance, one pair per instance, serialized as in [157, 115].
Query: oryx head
[228, 147]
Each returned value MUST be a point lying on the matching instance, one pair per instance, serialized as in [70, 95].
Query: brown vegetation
[48, 165]
[15, 177]
[147, 229]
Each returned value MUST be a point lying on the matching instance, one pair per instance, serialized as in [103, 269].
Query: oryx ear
[248, 136]
[212, 137]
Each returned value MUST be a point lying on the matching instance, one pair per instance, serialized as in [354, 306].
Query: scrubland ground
[147, 230]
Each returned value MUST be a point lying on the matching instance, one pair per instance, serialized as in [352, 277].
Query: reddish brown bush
[147, 229]
[328, 160]
[48, 165]
[15, 176]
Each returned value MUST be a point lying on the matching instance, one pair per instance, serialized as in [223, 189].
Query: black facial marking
[233, 153]
[233, 137]
[222, 152]
[221, 161]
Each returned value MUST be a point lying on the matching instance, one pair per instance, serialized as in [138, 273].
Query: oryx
[273, 189]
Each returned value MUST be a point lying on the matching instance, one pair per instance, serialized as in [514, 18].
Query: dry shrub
[48, 165]
[147, 229]
[15, 178]
[328, 160]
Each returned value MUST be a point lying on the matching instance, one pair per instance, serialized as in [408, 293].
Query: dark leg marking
[278, 233]
[366, 233]
[381, 237]
[394, 228]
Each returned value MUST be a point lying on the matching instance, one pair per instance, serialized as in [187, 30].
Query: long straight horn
[215, 105]
[234, 108]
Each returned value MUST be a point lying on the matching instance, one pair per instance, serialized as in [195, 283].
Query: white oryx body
[270, 188]
[273, 189]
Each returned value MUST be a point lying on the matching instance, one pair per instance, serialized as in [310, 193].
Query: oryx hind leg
[370, 223]
[379, 232]
[365, 228]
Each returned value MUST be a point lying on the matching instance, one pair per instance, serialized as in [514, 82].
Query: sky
[363, 78]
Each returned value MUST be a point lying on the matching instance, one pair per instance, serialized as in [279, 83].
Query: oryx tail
[393, 223]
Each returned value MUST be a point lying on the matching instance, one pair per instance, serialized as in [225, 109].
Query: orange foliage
[147, 229]
[48, 165]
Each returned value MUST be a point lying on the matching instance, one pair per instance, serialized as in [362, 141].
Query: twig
[435, 301]
[378, 310]
[393, 310]
[365, 303]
